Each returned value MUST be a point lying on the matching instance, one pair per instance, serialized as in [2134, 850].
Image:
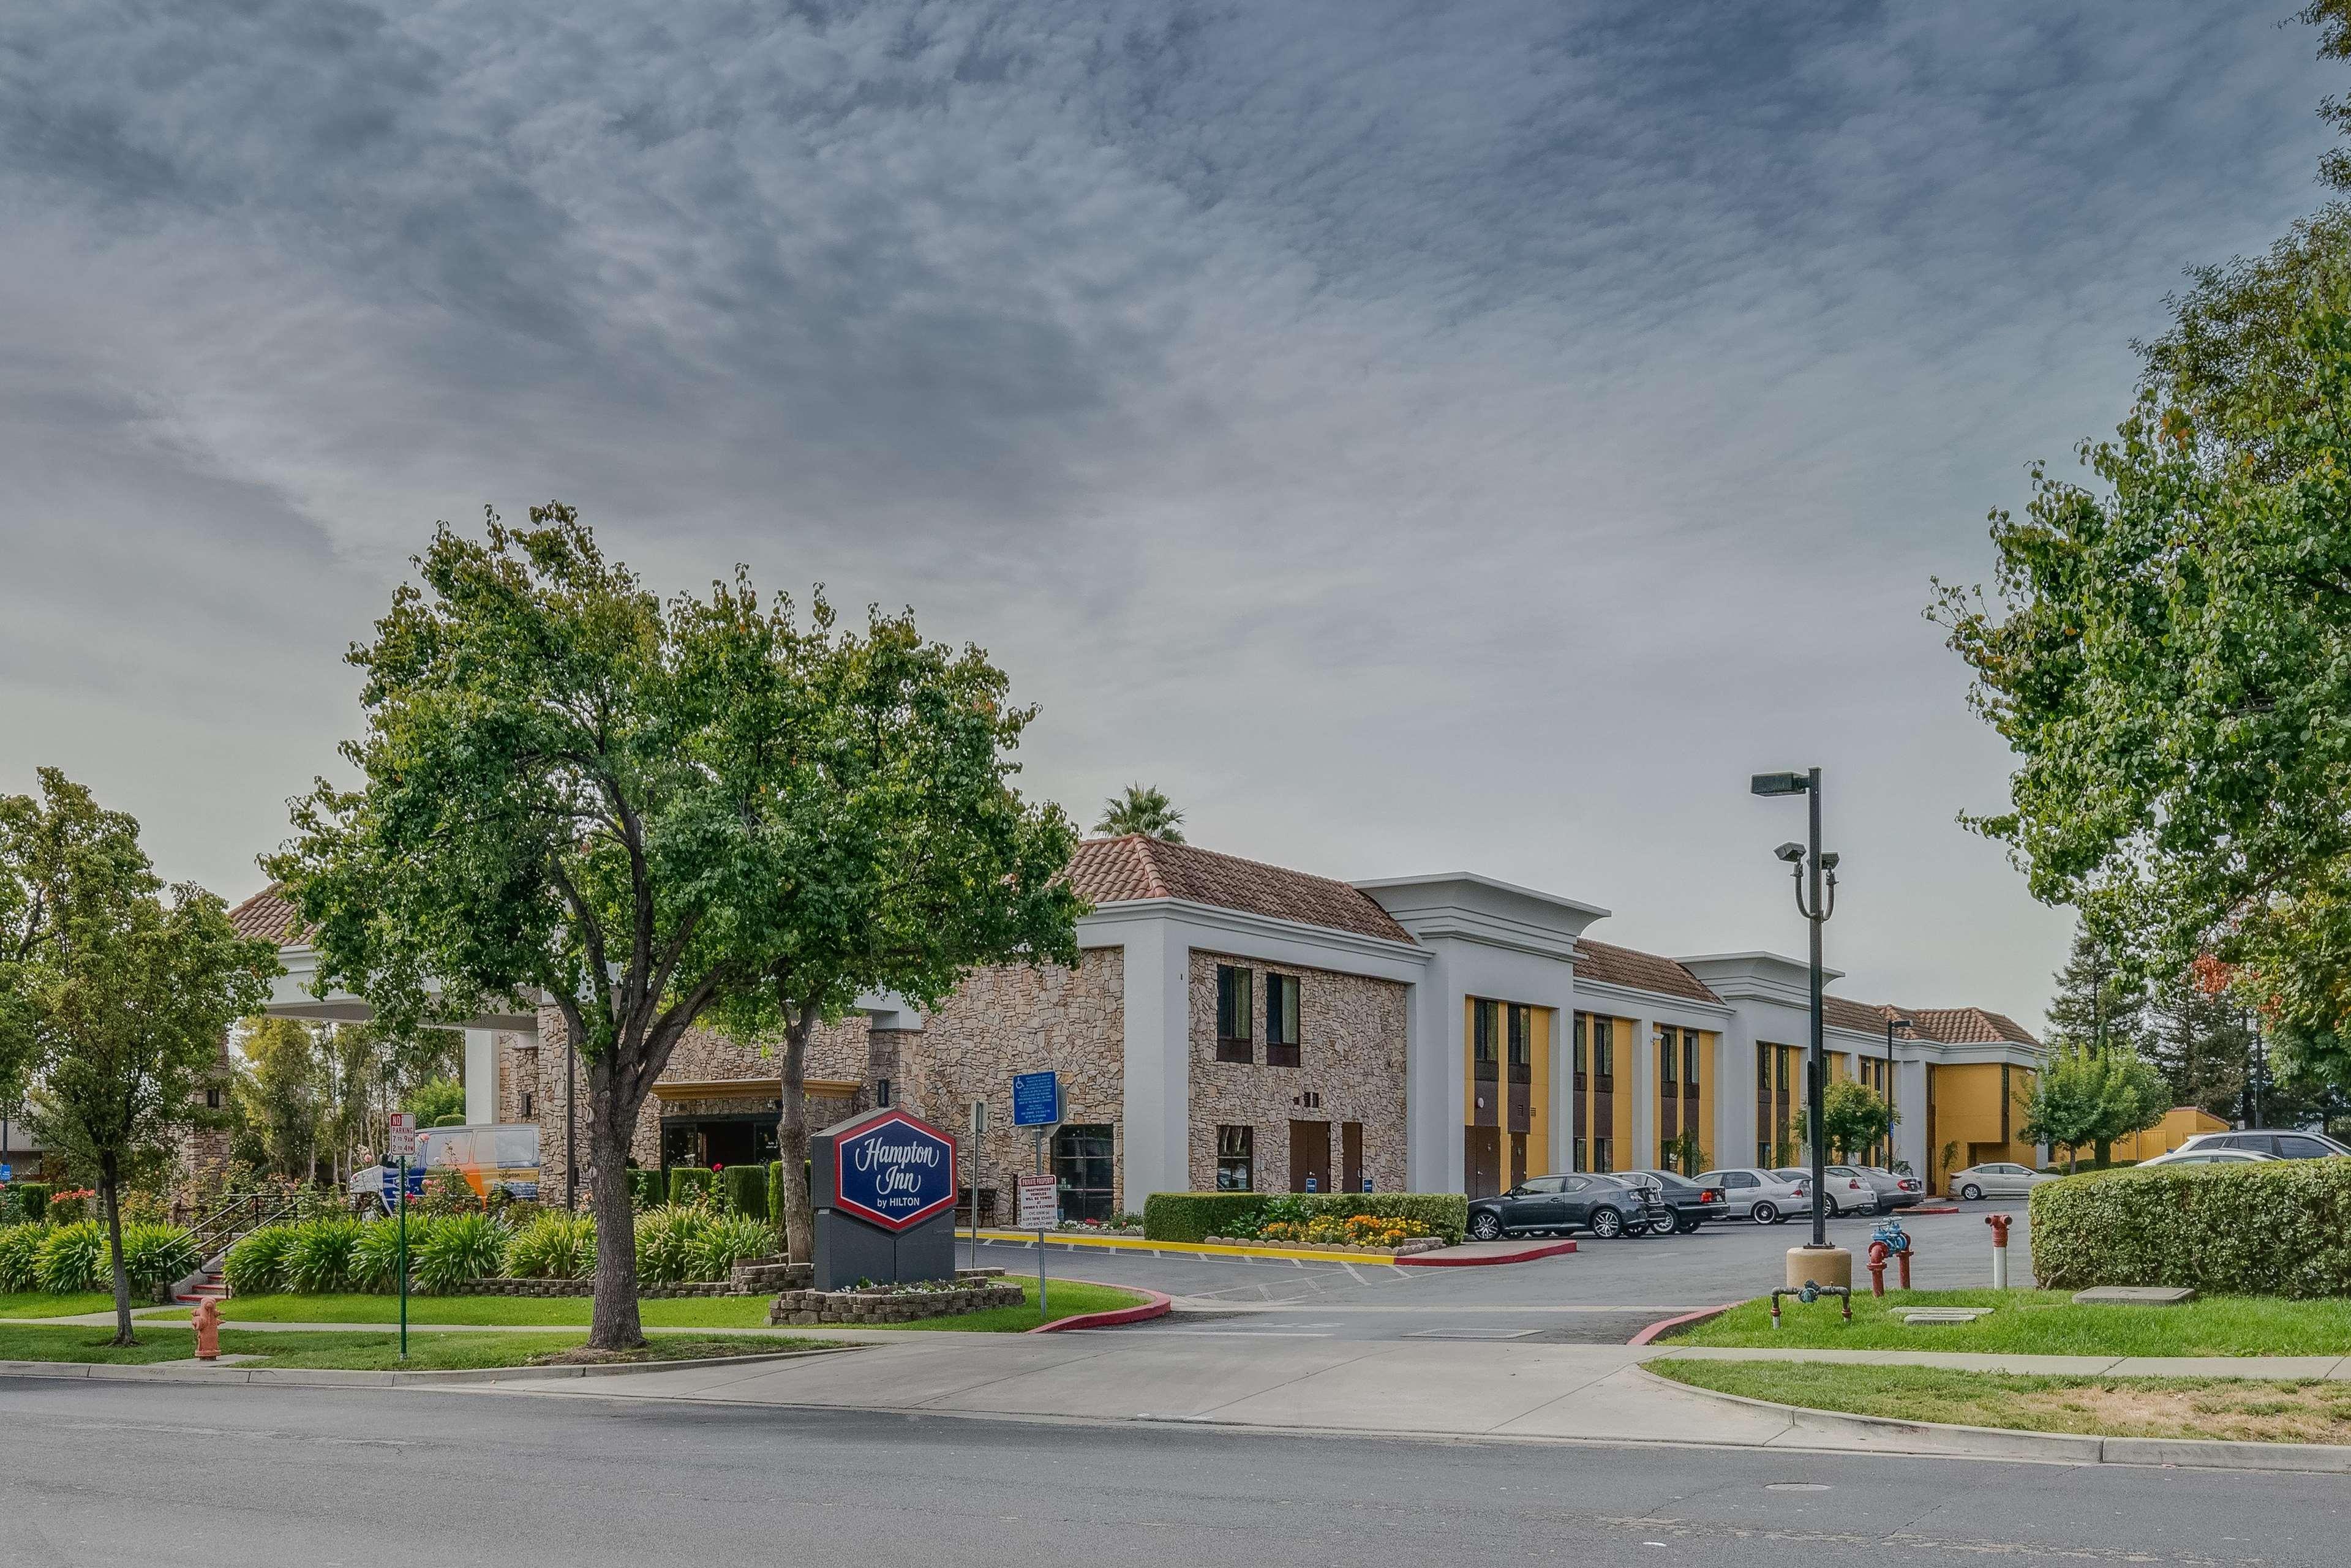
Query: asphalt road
[1602, 1293]
[95, 1475]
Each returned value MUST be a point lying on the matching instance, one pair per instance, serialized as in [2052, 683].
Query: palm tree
[1142, 810]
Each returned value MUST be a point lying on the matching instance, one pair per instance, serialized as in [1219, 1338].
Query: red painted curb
[1440, 1261]
[1928, 1208]
[1654, 1330]
[1158, 1306]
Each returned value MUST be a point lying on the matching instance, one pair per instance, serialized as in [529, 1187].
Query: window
[1485, 1023]
[525, 1105]
[1281, 1020]
[1690, 1050]
[1236, 1159]
[1604, 1047]
[1737, 1179]
[1081, 1170]
[1523, 1030]
[212, 1099]
[1580, 1028]
[1546, 1183]
[1236, 1010]
[2294, 1148]
[1603, 1153]
[1667, 1056]
[1579, 1163]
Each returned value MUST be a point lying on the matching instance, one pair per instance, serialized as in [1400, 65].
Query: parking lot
[1602, 1293]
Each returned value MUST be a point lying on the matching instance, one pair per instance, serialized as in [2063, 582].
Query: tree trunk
[109, 1194]
[614, 1322]
[792, 1137]
[2104, 1154]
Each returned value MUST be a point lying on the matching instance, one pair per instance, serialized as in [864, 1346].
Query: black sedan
[1605, 1205]
[1692, 1204]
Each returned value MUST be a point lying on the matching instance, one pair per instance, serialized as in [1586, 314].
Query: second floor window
[1522, 1047]
[1485, 1023]
[1667, 1056]
[1691, 1050]
[1236, 1011]
[1281, 1020]
[1603, 1048]
[1582, 1027]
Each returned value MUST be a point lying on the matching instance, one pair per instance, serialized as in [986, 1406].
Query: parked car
[1693, 1202]
[2188, 1156]
[1767, 1197]
[1998, 1178]
[1602, 1205]
[2283, 1143]
[1893, 1191]
[1843, 1188]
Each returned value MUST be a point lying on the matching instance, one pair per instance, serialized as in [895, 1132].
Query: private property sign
[894, 1172]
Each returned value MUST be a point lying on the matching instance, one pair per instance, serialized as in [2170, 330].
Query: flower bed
[896, 1304]
[1404, 1249]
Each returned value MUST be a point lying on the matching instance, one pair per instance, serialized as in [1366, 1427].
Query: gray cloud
[1414, 436]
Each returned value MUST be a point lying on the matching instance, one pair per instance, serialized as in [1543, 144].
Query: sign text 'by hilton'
[895, 1173]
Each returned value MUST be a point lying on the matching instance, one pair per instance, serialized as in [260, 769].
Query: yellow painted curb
[1201, 1249]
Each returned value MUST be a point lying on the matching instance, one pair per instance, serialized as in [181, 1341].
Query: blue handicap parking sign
[1036, 1098]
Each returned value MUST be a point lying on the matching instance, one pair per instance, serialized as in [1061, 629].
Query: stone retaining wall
[887, 1306]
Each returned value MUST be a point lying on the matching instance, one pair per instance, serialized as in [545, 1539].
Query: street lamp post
[1816, 875]
[1891, 1025]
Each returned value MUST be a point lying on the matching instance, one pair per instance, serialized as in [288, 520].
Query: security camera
[1828, 860]
[1792, 854]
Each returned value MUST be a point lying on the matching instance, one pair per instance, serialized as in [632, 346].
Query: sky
[1416, 437]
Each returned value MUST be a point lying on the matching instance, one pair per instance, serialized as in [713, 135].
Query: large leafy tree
[118, 993]
[2087, 1096]
[887, 850]
[575, 795]
[282, 1093]
[1852, 1116]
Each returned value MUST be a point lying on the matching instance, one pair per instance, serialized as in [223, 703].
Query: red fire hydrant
[206, 1318]
[1889, 1240]
[1999, 1223]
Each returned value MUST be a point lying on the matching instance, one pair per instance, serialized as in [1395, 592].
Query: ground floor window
[1603, 1154]
[1236, 1159]
[1081, 1169]
[712, 1142]
[1582, 1155]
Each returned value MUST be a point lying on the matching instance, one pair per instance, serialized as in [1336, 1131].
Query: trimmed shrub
[256, 1263]
[665, 1244]
[459, 1247]
[154, 1255]
[690, 1184]
[647, 1190]
[25, 1200]
[20, 1257]
[744, 1190]
[2271, 1228]
[1197, 1216]
[725, 1240]
[776, 1193]
[73, 1258]
[324, 1256]
[555, 1246]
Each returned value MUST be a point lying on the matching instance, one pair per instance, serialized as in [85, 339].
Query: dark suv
[1606, 1205]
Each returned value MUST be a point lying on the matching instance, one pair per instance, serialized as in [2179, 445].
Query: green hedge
[647, 1189]
[688, 1181]
[27, 1201]
[745, 1189]
[2271, 1229]
[1197, 1216]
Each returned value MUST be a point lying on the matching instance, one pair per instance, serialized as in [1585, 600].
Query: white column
[1734, 1095]
[1561, 1111]
[1910, 1103]
[1158, 1081]
[1643, 1154]
[1436, 1101]
[481, 1075]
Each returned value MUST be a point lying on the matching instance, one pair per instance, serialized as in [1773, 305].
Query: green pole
[403, 1257]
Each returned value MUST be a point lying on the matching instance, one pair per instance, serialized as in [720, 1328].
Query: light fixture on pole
[1892, 1023]
[1816, 875]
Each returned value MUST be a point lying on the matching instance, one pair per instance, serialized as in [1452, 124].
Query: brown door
[1351, 1157]
[1518, 1159]
[1481, 1162]
[1310, 1155]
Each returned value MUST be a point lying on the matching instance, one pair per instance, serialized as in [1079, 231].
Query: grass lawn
[669, 1312]
[41, 1304]
[362, 1352]
[2042, 1322]
[1068, 1298]
[2311, 1411]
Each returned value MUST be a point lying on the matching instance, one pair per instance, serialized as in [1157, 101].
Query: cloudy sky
[1416, 436]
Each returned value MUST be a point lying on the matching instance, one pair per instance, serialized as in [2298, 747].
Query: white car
[2192, 1156]
[1998, 1178]
[1767, 1197]
[1846, 1190]
[2285, 1144]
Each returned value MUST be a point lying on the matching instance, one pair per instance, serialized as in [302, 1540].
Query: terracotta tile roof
[1615, 966]
[1969, 1026]
[1122, 870]
[1870, 1018]
[266, 914]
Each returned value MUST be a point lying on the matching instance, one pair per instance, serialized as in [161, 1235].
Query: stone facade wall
[1351, 1059]
[1016, 1019]
[518, 1091]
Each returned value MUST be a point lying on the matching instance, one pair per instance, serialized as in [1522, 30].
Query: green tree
[119, 991]
[2086, 1096]
[1142, 809]
[885, 847]
[574, 792]
[2098, 1002]
[1852, 1116]
[434, 1100]
[280, 1093]
[2201, 1040]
